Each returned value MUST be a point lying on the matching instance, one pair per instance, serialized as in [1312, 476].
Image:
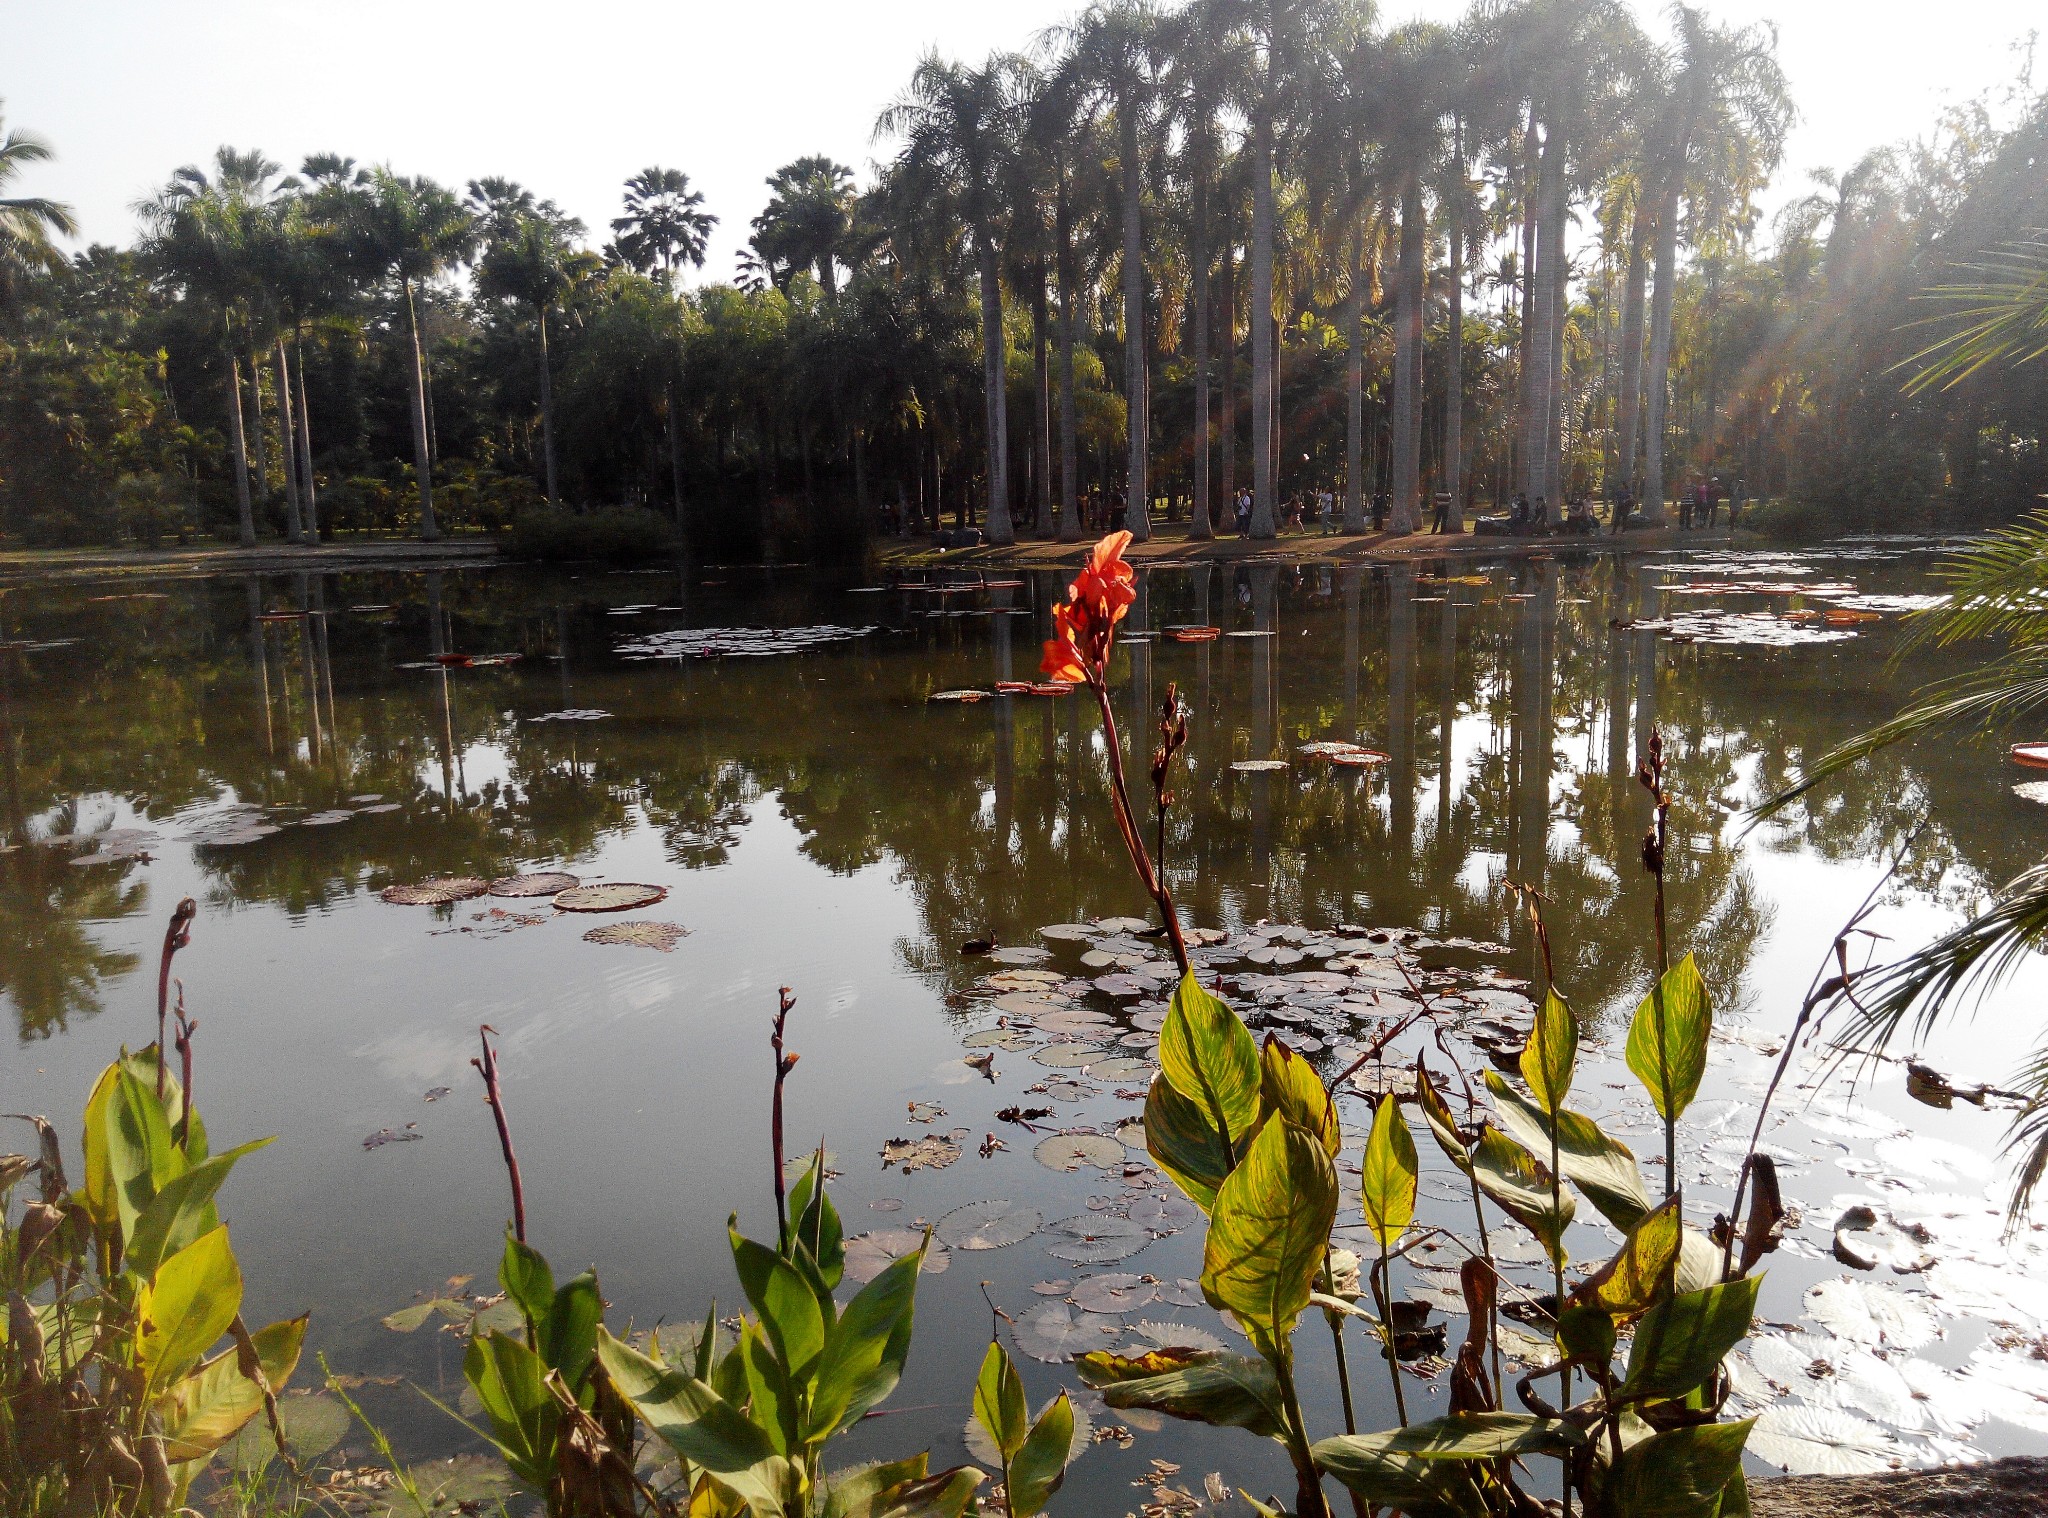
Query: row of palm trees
[1401, 155]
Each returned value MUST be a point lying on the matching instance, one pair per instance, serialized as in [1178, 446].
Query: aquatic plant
[119, 1288]
[1250, 1134]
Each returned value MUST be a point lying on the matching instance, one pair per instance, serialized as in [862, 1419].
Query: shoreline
[49, 566]
[2013, 1487]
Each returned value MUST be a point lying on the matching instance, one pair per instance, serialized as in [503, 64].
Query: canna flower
[1084, 624]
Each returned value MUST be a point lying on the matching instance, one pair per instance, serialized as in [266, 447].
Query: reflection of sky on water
[817, 825]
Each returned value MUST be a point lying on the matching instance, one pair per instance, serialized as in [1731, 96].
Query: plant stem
[488, 1068]
[176, 936]
[1120, 802]
[1308, 1481]
[1383, 1298]
[784, 1063]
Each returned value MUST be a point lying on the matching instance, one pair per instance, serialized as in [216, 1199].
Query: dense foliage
[1047, 237]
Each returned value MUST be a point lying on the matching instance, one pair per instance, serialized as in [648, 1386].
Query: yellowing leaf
[1640, 1272]
[1667, 1039]
[1209, 1056]
[1551, 1053]
[207, 1408]
[189, 1303]
[1267, 1235]
[1388, 1178]
[1290, 1088]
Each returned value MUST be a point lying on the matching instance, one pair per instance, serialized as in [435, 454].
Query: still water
[283, 748]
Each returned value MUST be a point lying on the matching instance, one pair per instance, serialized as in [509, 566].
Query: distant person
[1713, 502]
[1380, 504]
[1685, 509]
[1623, 505]
[1243, 513]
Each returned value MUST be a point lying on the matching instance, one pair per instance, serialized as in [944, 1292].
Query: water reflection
[1513, 714]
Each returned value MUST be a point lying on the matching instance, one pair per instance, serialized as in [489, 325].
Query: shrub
[617, 534]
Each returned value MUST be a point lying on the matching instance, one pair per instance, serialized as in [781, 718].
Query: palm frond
[1998, 319]
[1995, 590]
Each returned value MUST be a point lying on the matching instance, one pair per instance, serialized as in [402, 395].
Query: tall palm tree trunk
[1260, 320]
[1555, 271]
[1000, 532]
[245, 516]
[1070, 464]
[1525, 289]
[1227, 461]
[311, 502]
[1041, 403]
[259, 443]
[1659, 378]
[547, 404]
[1199, 519]
[1454, 376]
[1632, 345]
[423, 467]
[1138, 503]
[1354, 388]
[1534, 454]
[282, 369]
[675, 452]
[1407, 464]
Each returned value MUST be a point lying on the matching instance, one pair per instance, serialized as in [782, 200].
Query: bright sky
[570, 101]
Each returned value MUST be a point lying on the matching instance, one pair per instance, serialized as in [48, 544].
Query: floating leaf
[1118, 1291]
[1821, 1441]
[612, 896]
[1068, 1056]
[1070, 1152]
[1869, 1312]
[547, 883]
[437, 892]
[869, 1254]
[1055, 1333]
[1259, 766]
[988, 1225]
[963, 696]
[383, 1136]
[643, 935]
[1179, 1336]
[1088, 1239]
[934, 1151]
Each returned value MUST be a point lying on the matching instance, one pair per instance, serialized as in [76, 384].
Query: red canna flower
[1084, 624]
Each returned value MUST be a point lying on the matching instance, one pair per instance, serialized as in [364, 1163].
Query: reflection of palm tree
[51, 968]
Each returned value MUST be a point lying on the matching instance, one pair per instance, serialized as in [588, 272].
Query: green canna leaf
[1388, 1178]
[1680, 1473]
[181, 1211]
[510, 1381]
[210, 1406]
[1209, 1056]
[1668, 1037]
[528, 1280]
[999, 1405]
[1552, 1053]
[1679, 1342]
[698, 1424]
[1290, 1088]
[787, 1306]
[866, 1349]
[1041, 1465]
[1202, 1386]
[1603, 1168]
[1185, 1143]
[1464, 1436]
[1629, 1284]
[1267, 1235]
[1442, 1125]
[1519, 1185]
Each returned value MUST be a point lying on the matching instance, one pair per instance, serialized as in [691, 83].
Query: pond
[762, 747]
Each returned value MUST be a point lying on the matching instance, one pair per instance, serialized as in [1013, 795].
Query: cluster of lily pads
[736, 642]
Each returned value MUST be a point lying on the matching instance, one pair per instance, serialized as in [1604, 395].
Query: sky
[571, 101]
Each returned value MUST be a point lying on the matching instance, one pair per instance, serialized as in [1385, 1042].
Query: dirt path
[2013, 1488]
[1170, 544]
[24, 566]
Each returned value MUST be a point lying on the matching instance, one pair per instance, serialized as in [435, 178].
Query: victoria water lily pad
[1178, 1336]
[992, 1224]
[1074, 1151]
[1089, 1239]
[1118, 1291]
[958, 695]
[1821, 1441]
[1067, 1056]
[869, 1254]
[934, 1151]
[611, 896]
[1871, 1313]
[640, 935]
[1259, 766]
[437, 892]
[982, 1448]
[546, 883]
[1055, 1333]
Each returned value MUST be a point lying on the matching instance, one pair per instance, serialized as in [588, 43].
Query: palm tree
[410, 229]
[662, 228]
[1117, 48]
[958, 127]
[27, 221]
[529, 257]
[808, 219]
[1722, 133]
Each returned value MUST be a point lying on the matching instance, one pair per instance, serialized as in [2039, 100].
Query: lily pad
[611, 896]
[1069, 1152]
[1179, 1336]
[1067, 1056]
[965, 696]
[999, 1038]
[1119, 1291]
[869, 1254]
[935, 1151]
[1821, 1441]
[1089, 1239]
[1868, 1312]
[982, 1448]
[642, 935]
[993, 1224]
[545, 883]
[437, 892]
[312, 1426]
[1259, 766]
[1020, 954]
[1071, 932]
[1055, 1333]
